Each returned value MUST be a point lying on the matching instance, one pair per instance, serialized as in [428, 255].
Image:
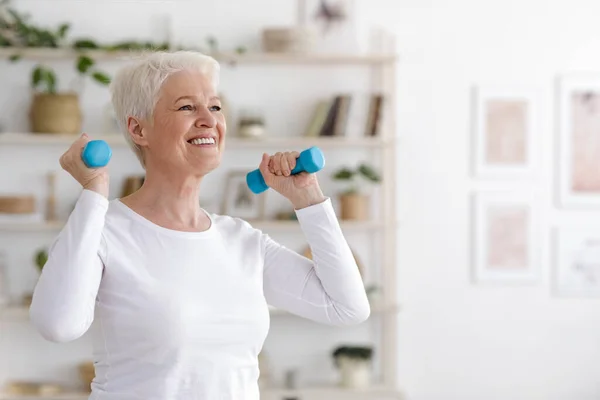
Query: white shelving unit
[383, 148]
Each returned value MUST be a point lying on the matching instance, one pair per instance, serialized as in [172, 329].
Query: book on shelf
[318, 119]
[331, 116]
[374, 116]
[337, 116]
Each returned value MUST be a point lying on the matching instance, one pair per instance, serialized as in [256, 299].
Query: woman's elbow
[353, 316]
[55, 329]
[364, 314]
[361, 313]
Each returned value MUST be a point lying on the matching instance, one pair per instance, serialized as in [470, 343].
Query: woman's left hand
[301, 189]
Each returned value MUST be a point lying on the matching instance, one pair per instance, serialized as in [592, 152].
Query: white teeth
[203, 141]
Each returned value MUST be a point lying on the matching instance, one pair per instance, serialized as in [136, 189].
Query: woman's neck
[170, 202]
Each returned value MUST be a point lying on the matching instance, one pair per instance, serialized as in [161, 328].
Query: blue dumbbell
[310, 160]
[96, 154]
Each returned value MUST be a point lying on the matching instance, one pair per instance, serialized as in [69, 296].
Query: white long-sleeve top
[183, 315]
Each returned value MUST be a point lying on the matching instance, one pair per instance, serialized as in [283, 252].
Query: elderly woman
[181, 295]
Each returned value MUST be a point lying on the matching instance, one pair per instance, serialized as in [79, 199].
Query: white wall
[459, 340]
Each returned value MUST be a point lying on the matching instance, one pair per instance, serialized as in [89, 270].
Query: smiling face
[187, 133]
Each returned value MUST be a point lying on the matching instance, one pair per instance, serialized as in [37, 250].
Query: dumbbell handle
[310, 160]
[96, 154]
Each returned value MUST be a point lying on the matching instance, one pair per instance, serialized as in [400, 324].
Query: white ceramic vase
[354, 373]
[252, 131]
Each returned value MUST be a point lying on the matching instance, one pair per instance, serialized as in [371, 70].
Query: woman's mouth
[203, 141]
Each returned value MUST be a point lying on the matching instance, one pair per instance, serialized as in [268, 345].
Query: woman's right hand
[95, 179]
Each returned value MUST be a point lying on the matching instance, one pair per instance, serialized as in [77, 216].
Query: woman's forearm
[327, 288]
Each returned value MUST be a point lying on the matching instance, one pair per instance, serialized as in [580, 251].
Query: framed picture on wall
[579, 140]
[506, 129]
[504, 237]
[333, 23]
[239, 201]
[577, 262]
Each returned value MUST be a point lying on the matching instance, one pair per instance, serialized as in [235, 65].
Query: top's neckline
[168, 231]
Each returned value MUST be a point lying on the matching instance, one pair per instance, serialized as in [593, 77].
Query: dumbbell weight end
[96, 154]
[310, 160]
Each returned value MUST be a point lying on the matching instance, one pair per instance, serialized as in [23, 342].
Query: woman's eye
[184, 108]
[215, 108]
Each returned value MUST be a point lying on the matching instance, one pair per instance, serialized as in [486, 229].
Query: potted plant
[353, 200]
[251, 124]
[52, 110]
[40, 258]
[354, 364]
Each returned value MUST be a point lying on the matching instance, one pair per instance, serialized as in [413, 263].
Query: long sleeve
[64, 297]
[326, 289]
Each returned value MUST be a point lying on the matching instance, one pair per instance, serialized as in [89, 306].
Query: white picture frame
[576, 262]
[504, 237]
[338, 33]
[506, 132]
[239, 201]
[578, 140]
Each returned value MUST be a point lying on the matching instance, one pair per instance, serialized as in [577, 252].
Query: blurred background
[463, 157]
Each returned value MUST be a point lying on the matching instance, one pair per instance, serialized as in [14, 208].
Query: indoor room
[299, 200]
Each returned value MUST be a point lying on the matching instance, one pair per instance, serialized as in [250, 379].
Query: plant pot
[87, 373]
[355, 373]
[55, 113]
[250, 130]
[288, 39]
[251, 123]
[354, 206]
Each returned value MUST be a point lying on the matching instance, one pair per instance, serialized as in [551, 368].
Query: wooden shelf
[14, 312]
[31, 226]
[332, 393]
[231, 142]
[47, 54]
[21, 312]
[294, 225]
[365, 226]
[376, 309]
[60, 396]
[308, 393]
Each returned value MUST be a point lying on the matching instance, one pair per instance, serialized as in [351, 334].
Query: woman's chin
[205, 166]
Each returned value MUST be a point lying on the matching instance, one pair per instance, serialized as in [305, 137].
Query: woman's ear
[136, 131]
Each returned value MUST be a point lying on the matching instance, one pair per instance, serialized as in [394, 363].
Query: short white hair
[136, 86]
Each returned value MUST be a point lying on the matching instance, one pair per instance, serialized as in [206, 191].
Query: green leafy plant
[17, 32]
[90, 44]
[43, 77]
[355, 178]
[40, 259]
[359, 353]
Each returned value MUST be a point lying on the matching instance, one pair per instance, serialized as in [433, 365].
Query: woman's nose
[206, 120]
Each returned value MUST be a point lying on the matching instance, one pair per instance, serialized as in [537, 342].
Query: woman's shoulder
[233, 224]
[115, 218]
